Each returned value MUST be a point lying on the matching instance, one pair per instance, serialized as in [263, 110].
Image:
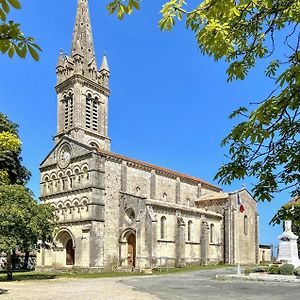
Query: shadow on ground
[27, 276]
[3, 291]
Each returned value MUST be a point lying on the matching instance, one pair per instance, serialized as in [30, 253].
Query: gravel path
[98, 288]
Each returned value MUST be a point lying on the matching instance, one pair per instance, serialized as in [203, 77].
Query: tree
[12, 39]
[11, 169]
[24, 225]
[265, 145]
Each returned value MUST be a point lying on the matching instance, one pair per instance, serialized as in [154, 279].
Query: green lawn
[33, 275]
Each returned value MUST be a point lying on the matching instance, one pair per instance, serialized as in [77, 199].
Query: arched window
[165, 197]
[163, 227]
[68, 106]
[188, 201]
[95, 115]
[91, 112]
[212, 233]
[88, 102]
[245, 225]
[190, 225]
[138, 191]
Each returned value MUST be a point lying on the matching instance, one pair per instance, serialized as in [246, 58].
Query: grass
[33, 275]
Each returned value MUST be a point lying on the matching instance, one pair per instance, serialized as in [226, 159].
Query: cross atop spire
[82, 43]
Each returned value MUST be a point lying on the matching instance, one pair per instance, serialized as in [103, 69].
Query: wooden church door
[70, 253]
[131, 250]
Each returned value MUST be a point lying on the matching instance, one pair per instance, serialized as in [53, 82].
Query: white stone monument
[288, 249]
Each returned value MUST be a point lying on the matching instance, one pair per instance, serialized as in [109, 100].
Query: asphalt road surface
[203, 285]
[194, 285]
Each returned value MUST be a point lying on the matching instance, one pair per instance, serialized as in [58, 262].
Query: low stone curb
[261, 277]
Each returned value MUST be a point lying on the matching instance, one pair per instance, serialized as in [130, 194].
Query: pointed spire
[104, 64]
[61, 59]
[82, 36]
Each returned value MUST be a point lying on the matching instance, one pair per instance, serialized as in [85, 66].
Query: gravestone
[288, 249]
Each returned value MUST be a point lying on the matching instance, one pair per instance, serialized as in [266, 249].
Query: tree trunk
[25, 266]
[13, 260]
[8, 266]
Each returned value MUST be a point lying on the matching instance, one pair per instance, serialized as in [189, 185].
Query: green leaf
[11, 51]
[2, 15]
[21, 51]
[15, 4]
[136, 4]
[33, 52]
[5, 7]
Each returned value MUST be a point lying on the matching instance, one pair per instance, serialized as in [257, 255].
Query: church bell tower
[83, 90]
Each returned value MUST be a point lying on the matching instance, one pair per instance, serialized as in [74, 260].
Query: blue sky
[169, 105]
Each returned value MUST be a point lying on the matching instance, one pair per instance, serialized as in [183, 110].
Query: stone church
[118, 212]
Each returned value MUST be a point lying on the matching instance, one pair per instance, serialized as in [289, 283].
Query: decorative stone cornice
[78, 78]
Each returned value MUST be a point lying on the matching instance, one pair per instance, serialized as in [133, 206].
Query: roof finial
[104, 64]
[61, 58]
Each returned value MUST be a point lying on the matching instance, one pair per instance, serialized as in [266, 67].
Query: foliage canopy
[12, 39]
[11, 169]
[24, 225]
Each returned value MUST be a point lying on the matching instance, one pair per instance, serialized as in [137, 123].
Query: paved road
[200, 285]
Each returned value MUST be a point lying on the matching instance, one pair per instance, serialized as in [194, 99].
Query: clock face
[64, 156]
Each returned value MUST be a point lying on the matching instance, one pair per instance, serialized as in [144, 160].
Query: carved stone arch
[76, 170]
[85, 171]
[61, 237]
[76, 204]
[60, 207]
[89, 93]
[138, 191]
[60, 174]
[126, 233]
[68, 172]
[70, 91]
[93, 144]
[53, 176]
[65, 241]
[46, 178]
[85, 202]
[85, 168]
[68, 205]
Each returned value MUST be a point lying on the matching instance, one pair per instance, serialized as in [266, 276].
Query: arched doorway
[70, 253]
[65, 254]
[131, 246]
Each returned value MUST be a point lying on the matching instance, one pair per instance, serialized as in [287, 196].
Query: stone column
[153, 185]
[204, 241]
[179, 241]
[150, 236]
[82, 253]
[124, 177]
[199, 190]
[178, 190]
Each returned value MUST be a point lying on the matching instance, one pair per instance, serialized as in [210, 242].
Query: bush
[297, 271]
[274, 269]
[257, 269]
[286, 269]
